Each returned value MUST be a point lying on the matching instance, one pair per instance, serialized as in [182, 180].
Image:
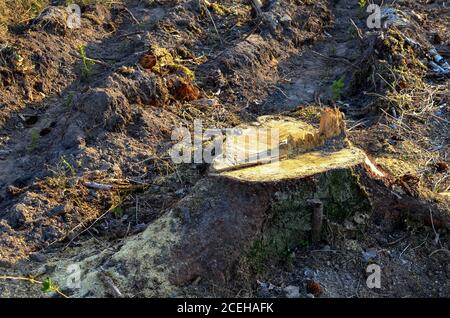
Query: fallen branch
[98, 186]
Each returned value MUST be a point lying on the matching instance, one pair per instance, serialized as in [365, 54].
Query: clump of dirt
[106, 107]
[52, 20]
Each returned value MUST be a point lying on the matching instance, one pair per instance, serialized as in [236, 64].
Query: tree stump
[254, 209]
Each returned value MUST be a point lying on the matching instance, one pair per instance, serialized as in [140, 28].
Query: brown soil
[97, 105]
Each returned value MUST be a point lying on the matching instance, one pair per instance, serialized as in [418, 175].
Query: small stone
[286, 20]
[37, 257]
[180, 192]
[309, 273]
[360, 218]
[370, 254]
[39, 271]
[206, 103]
[348, 225]
[310, 296]
[292, 291]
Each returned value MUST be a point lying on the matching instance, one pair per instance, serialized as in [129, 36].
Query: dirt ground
[95, 105]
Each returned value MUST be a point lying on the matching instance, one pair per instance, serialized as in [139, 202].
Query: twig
[132, 15]
[89, 227]
[439, 250]
[339, 59]
[31, 280]
[258, 23]
[280, 90]
[360, 123]
[130, 34]
[414, 248]
[256, 4]
[331, 251]
[437, 240]
[405, 249]
[109, 187]
[137, 209]
[212, 20]
[357, 29]
[91, 60]
[152, 158]
[397, 240]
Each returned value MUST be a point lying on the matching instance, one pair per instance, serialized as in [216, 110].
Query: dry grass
[18, 11]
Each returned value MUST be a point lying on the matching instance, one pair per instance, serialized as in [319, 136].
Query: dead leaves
[441, 166]
[160, 61]
[314, 288]
[148, 61]
[187, 92]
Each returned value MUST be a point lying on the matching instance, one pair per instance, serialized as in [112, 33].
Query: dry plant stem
[214, 23]
[33, 281]
[434, 230]
[357, 29]
[91, 60]
[256, 4]
[89, 227]
[339, 59]
[132, 16]
[439, 250]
